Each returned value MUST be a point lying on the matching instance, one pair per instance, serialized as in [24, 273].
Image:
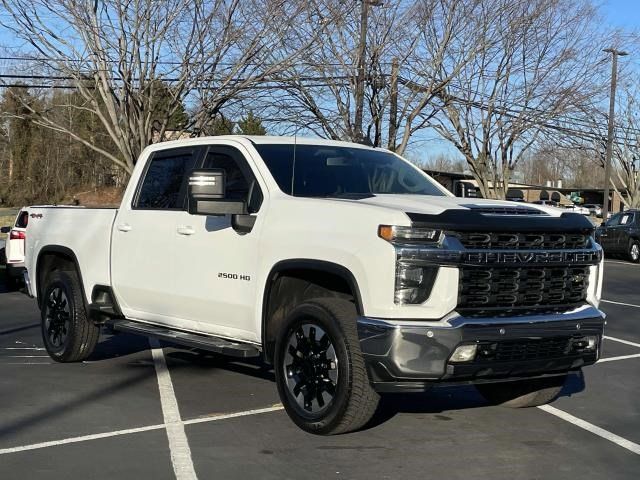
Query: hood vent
[504, 210]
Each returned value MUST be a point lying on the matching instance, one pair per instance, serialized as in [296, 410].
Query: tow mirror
[207, 187]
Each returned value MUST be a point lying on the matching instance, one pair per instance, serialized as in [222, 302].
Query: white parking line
[621, 303]
[601, 432]
[178, 442]
[22, 348]
[620, 340]
[621, 263]
[128, 431]
[621, 357]
[24, 356]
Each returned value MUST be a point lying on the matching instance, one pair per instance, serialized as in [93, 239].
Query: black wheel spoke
[57, 317]
[311, 368]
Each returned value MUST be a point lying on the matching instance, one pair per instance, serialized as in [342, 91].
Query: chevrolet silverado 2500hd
[345, 267]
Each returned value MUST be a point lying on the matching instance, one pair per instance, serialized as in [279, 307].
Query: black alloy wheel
[68, 333]
[311, 367]
[57, 319]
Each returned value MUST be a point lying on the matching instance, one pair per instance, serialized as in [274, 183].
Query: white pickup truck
[345, 267]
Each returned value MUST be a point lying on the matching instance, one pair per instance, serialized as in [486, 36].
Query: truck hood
[434, 205]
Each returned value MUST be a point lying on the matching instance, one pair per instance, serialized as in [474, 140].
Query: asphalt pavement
[120, 415]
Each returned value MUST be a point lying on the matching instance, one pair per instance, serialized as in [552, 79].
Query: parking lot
[134, 411]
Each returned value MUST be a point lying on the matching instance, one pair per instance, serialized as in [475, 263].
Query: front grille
[525, 349]
[522, 241]
[483, 289]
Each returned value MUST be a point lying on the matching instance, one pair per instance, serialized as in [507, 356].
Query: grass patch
[7, 217]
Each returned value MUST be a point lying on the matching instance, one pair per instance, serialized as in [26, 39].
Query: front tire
[633, 252]
[320, 372]
[523, 393]
[68, 333]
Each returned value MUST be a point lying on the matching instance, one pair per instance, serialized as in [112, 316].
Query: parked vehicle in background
[548, 203]
[346, 267]
[620, 235]
[578, 209]
[594, 209]
[14, 248]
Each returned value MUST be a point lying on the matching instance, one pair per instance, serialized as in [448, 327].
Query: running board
[193, 340]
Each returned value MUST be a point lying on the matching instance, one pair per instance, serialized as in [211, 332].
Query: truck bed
[84, 231]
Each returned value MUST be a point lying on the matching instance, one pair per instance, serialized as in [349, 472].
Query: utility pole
[393, 107]
[612, 103]
[360, 76]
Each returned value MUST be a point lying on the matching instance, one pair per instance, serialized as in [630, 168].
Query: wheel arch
[50, 257]
[310, 270]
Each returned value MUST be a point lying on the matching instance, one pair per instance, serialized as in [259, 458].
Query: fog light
[592, 342]
[464, 353]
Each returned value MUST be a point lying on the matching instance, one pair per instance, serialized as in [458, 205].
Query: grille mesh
[485, 288]
[520, 241]
[525, 349]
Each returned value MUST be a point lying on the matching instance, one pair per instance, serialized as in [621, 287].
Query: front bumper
[413, 355]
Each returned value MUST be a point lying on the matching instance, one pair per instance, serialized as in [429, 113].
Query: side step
[193, 340]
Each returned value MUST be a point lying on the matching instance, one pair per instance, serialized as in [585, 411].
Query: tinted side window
[614, 220]
[163, 185]
[22, 220]
[626, 219]
[241, 183]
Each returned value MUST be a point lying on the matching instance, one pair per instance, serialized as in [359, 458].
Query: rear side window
[22, 220]
[164, 183]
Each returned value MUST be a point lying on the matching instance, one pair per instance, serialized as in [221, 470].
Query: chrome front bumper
[410, 355]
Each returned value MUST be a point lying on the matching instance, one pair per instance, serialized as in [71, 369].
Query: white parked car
[594, 209]
[14, 248]
[578, 209]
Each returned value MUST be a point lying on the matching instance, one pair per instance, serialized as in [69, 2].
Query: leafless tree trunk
[117, 53]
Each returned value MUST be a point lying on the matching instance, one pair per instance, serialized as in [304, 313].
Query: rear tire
[320, 372]
[68, 333]
[633, 253]
[523, 393]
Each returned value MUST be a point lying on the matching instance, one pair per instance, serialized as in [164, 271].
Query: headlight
[413, 282]
[397, 234]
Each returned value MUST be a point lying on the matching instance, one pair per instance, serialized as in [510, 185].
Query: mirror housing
[206, 192]
[5, 229]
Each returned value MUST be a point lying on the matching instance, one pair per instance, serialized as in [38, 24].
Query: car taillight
[15, 235]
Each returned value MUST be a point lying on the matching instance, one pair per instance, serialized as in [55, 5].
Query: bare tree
[121, 55]
[420, 38]
[626, 158]
[536, 65]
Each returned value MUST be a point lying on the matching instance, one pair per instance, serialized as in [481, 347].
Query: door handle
[186, 230]
[124, 227]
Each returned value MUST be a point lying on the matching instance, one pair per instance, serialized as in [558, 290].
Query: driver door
[216, 264]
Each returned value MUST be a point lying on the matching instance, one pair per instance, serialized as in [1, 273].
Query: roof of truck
[260, 140]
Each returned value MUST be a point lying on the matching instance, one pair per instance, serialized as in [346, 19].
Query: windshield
[328, 171]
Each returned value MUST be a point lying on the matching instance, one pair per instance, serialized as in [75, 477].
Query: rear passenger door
[144, 253]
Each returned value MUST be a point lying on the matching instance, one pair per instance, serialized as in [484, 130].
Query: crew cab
[346, 267]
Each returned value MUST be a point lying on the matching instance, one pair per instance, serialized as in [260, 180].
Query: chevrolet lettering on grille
[532, 257]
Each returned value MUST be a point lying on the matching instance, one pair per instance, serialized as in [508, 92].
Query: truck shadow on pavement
[447, 398]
